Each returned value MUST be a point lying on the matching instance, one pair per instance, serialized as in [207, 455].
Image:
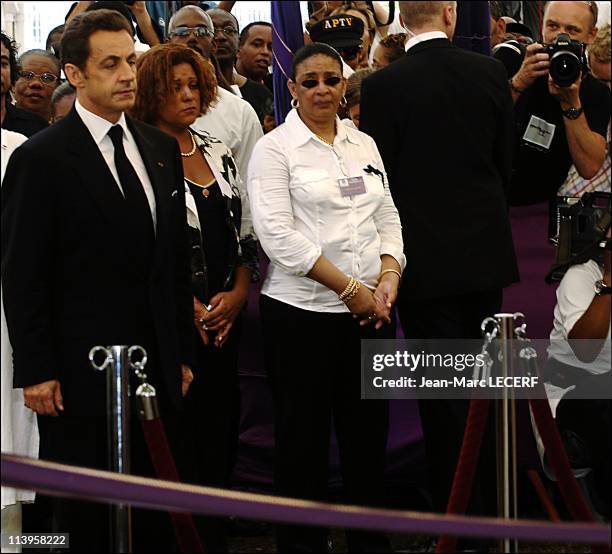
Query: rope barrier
[90, 484]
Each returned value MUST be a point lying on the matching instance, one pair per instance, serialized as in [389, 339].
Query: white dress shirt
[300, 214]
[422, 37]
[234, 122]
[99, 127]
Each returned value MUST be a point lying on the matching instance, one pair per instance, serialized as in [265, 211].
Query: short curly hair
[396, 46]
[600, 49]
[154, 77]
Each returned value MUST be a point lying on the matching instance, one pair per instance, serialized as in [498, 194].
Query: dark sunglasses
[46, 78]
[328, 81]
[197, 31]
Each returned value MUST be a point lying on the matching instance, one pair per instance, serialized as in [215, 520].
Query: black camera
[511, 53]
[581, 227]
[567, 59]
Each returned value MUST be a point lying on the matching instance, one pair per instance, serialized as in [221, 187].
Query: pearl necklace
[193, 150]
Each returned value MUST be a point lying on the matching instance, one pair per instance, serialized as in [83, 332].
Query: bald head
[192, 27]
[192, 13]
[422, 17]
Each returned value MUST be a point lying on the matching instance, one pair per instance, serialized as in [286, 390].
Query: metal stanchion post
[117, 363]
[506, 432]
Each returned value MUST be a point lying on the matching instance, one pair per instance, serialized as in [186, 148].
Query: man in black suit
[94, 252]
[442, 119]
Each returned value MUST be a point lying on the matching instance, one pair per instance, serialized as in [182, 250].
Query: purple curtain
[287, 39]
[473, 30]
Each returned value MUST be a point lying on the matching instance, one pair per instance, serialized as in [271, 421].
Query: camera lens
[511, 53]
[565, 68]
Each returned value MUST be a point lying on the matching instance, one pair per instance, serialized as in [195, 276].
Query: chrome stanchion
[117, 361]
[502, 327]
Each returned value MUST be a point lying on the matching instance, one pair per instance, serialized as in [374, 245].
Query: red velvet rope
[163, 462]
[557, 457]
[466, 467]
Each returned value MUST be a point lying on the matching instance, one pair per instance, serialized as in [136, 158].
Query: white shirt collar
[98, 126]
[302, 134]
[422, 37]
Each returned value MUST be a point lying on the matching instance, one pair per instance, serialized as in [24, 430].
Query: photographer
[579, 355]
[557, 125]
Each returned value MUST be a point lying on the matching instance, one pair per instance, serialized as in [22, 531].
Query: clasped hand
[374, 307]
[224, 309]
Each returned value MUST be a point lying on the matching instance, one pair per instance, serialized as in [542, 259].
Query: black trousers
[313, 361]
[443, 421]
[210, 427]
[82, 441]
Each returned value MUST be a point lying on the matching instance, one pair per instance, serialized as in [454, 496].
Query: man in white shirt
[230, 119]
[95, 252]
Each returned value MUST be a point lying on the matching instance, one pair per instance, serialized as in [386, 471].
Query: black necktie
[139, 211]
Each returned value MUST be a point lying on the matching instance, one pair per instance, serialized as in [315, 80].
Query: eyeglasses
[199, 32]
[328, 81]
[44, 78]
[227, 31]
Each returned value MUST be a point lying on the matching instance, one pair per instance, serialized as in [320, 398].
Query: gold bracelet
[349, 287]
[353, 293]
[390, 271]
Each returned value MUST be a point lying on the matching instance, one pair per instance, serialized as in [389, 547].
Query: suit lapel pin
[160, 164]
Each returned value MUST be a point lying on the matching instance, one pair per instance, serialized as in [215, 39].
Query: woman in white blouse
[323, 213]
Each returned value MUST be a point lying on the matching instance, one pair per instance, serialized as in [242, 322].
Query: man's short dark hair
[58, 29]
[75, 40]
[11, 46]
[244, 35]
[42, 53]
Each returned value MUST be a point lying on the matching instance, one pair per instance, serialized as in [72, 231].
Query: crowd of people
[141, 189]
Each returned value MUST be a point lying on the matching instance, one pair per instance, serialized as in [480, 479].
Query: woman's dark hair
[43, 54]
[65, 89]
[75, 40]
[11, 46]
[154, 76]
[54, 31]
[314, 49]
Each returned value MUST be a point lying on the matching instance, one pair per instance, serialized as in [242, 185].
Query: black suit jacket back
[72, 274]
[442, 119]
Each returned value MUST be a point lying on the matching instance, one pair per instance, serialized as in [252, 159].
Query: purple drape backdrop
[473, 30]
[287, 39]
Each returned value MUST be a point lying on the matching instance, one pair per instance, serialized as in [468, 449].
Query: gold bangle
[390, 271]
[353, 293]
[349, 287]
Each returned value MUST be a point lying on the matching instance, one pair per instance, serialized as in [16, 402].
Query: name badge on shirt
[352, 186]
[539, 133]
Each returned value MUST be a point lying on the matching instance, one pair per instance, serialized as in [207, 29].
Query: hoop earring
[295, 104]
[343, 102]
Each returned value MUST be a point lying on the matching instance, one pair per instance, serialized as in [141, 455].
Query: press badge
[539, 133]
[352, 186]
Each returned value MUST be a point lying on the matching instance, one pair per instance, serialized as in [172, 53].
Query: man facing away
[446, 146]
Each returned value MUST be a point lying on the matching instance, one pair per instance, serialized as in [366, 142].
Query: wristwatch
[572, 113]
[602, 288]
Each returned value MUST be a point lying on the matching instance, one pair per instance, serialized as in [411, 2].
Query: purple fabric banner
[104, 486]
[473, 30]
[287, 39]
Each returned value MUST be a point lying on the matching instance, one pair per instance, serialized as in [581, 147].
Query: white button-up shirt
[99, 128]
[300, 214]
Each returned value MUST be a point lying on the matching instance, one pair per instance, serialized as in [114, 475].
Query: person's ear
[292, 88]
[591, 36]
[75, 75]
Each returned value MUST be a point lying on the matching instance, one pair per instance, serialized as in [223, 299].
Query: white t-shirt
[234, 122]
[574, 296]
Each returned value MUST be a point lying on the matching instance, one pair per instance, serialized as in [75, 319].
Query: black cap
[339, 31]
[519, 29]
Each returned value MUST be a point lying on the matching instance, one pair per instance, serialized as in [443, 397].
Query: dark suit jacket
[70, 271]
[442, 120]
[22, 121]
